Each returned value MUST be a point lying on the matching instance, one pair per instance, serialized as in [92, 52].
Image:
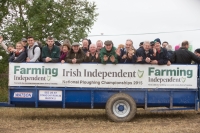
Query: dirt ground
[23, 120]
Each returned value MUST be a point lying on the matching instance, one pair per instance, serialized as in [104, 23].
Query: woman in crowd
[65, 49]
[19, 54]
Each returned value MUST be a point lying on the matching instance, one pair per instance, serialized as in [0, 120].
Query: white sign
[23, 95]
[103, 76]
[50, 95]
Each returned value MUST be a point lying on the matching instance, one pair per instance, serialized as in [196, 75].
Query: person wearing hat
[50, 53]
[75, 55]
[108, 54]
[141, 45]
[24, 42]
[183, 55]
[160, 55]
[152, 43]
[197, 52]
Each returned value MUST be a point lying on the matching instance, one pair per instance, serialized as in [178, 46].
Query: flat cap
[75, 44]
[23, 40]
[108, 42]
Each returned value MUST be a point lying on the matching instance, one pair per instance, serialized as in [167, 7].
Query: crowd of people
[154, 52]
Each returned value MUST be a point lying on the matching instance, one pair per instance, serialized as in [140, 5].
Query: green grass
[3, 88]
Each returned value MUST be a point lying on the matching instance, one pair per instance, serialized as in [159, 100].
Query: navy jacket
[141, 52]
[21, 57]
[161, 57]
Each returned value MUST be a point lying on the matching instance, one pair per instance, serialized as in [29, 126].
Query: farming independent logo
[175, 75]
[34, 74]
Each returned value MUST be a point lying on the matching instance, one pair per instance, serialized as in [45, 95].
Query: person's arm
[68, 58]
[57, 56]
[116, 59]
[195, 58]
[98, 60]
[102, 57]
[87, 59]
[139, 53]
[134, 59]
[3, 45]
[43, 54]
[54, 60]
[11, 58]
[164, 59]
[36, 55]
[21, 57]
[173, 58]
[80, 60]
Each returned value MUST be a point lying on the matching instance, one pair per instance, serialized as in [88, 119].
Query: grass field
[23, 120]
[30, 120]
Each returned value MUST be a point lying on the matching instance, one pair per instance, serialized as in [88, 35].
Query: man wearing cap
[197, 52]
[183, 55]
[107, 54]
[50, 53]
[24, 42]
[152, 43]
[141, 45]
[75, 55]
[160, 55]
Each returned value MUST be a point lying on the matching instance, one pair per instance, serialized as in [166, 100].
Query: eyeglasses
[107, 44]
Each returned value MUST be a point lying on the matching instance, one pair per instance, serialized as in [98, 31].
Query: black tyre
[121, 107]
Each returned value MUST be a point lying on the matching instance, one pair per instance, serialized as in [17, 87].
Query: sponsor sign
[23, 95]
[103, 76]
[50, 95]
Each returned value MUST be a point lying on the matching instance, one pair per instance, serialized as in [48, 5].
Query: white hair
[93, 45]
[145, 42]
[129, 41]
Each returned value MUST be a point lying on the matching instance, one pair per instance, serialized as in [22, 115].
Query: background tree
[3, 9]
[62, 19]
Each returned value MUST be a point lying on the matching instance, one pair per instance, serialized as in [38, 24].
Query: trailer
[118, 88]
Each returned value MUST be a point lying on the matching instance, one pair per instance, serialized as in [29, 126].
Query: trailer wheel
[121, 107]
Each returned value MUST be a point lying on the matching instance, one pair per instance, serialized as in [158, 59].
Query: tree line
[62, 19]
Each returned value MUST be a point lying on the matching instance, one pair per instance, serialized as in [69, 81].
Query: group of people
[154, 52]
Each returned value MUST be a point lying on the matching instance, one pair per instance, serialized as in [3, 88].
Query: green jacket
[54, 53]
[109, 54]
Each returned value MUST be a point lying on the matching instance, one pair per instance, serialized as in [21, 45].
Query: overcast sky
[117, 18]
